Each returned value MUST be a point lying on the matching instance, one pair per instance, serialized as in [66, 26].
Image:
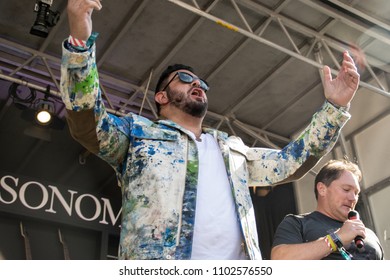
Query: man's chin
[197, 113]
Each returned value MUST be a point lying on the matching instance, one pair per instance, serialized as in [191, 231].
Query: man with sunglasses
[185, 187]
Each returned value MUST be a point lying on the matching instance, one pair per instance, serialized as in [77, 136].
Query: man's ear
[161, 98]
[321, 188]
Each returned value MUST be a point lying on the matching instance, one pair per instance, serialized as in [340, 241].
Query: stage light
[45, 111]
[36, 108]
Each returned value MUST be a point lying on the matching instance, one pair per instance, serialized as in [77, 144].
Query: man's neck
[191, 123]
[330, 214]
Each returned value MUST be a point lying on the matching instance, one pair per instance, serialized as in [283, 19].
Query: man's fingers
[327, 73]
[97, 4]
[85, 5]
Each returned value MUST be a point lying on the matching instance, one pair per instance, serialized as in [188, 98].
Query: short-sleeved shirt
[296, 229]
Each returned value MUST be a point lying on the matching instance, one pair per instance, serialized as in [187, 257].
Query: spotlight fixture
[45, 18]
[45, 110]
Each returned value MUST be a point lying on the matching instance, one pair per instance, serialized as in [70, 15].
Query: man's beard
[184, 102]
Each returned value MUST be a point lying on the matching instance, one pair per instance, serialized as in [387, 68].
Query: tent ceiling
[261, 57]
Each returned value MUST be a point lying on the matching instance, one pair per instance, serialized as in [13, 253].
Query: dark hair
[163, 80]
[333, 169]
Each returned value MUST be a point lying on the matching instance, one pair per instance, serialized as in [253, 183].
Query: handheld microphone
[354, 215]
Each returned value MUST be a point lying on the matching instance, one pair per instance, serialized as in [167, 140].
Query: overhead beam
[264, 41]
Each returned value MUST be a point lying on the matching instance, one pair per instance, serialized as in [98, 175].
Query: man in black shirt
[327, 233]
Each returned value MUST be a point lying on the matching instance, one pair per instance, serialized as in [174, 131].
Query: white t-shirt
[217, 233]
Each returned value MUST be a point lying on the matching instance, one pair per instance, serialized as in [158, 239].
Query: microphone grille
[353, 214]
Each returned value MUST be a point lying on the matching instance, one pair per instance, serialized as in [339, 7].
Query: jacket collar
[220, 135]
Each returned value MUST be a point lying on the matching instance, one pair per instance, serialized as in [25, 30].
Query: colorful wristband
[76, 43]
[340, 247]
[82, 45]
[330, 242]
[336, 240]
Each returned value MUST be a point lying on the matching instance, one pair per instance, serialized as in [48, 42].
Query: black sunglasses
[187, 78]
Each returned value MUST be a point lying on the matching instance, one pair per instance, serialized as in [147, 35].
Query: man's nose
[352, 196]
[196, 82]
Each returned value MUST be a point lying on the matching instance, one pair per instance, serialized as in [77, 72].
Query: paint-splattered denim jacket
[157, 165]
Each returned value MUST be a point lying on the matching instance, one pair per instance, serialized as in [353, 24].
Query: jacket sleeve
[101, 133]
[270, 167]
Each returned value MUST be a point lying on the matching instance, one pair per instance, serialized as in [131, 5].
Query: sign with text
[28, 197]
